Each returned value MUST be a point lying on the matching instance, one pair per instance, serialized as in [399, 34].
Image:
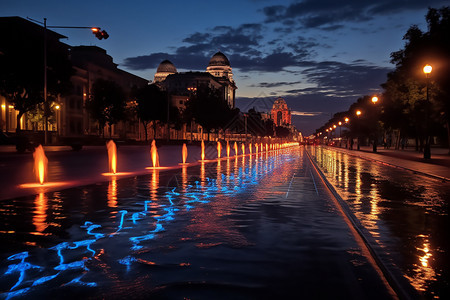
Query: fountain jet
[235, 149]
[203, 150]
[154, 154]
[112, 156]
[40, 164]
[228, 149]
[184, 153]
[219, 149]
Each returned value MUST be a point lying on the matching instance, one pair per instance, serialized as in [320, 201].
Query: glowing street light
[358, 113]
[374, 99]
[346, 120]
[426, 150]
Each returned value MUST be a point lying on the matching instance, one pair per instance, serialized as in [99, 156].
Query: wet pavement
[403, 212]
[263, 226]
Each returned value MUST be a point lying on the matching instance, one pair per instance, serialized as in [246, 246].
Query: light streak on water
[405, 213]
[71, 258]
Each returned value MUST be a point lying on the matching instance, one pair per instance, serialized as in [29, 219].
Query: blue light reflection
[183, 197]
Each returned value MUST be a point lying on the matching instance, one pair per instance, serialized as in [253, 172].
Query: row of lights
[426, 70]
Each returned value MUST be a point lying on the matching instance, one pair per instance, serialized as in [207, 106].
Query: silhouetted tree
[407, 84]
[209, 109]
[107, 103]
[151, 106]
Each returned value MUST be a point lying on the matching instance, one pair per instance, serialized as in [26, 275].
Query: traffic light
[100, 34]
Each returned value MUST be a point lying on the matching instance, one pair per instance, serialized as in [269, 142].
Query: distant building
[280, 113]
[90, 63]
[180, 85]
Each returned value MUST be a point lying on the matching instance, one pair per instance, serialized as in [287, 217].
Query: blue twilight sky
[319, 55]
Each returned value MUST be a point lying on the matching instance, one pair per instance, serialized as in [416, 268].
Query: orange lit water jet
[256, 148]
[219, 149]
[228, 149]
[250, 148]
[235, 149]
[243, 148]
[112, 156]
[40, 164]
[184, 153]
[203, 151]
[154, 155]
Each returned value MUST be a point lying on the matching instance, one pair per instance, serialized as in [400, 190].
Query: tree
[209, 109]
[151, 106]
[107, 104]
[421, 48]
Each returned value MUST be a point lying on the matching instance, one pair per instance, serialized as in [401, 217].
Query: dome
[166, 66]
[219, 59]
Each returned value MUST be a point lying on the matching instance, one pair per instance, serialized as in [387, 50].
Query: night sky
[320, 55]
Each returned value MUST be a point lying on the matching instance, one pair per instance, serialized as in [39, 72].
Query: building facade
[180, 85]
[69, 116]
[280, 113]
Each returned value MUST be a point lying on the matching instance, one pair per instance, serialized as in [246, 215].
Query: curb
[392, 165]
[392, 273]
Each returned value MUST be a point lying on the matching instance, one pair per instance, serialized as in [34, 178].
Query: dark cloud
[181, 61]
[341, 79]
[275, 84]
[197, 38]
[326, 13]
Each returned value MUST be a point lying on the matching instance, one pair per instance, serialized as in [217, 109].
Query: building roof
[166, 66]
[219, 59]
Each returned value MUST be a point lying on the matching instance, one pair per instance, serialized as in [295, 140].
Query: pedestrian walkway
[438, 166]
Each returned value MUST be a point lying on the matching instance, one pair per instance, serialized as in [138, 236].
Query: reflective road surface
[259, 227]
[405, 213]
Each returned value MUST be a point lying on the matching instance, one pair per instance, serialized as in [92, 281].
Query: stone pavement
[438, 166]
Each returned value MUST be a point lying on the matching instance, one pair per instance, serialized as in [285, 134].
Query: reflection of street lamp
[427, 151]
[358, 113]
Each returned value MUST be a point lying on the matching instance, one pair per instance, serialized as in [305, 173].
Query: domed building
[180, 86]
[280, 113]
[219, 66]
[164, 69]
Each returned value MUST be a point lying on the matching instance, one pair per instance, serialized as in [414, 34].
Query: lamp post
[100, 34]
[358, 113]
[340, 133]
[346, 120]
[374, 101]
[57, 107]
[426, 150]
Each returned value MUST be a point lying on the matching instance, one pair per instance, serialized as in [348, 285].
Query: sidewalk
[438, 166]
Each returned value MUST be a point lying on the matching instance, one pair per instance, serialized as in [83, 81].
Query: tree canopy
[107, 103]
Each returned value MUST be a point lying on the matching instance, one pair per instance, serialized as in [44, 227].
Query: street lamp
[57, 107]
[374, 101]
[100, 34]
[358, 113]
[427, 151]
[340, 133]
